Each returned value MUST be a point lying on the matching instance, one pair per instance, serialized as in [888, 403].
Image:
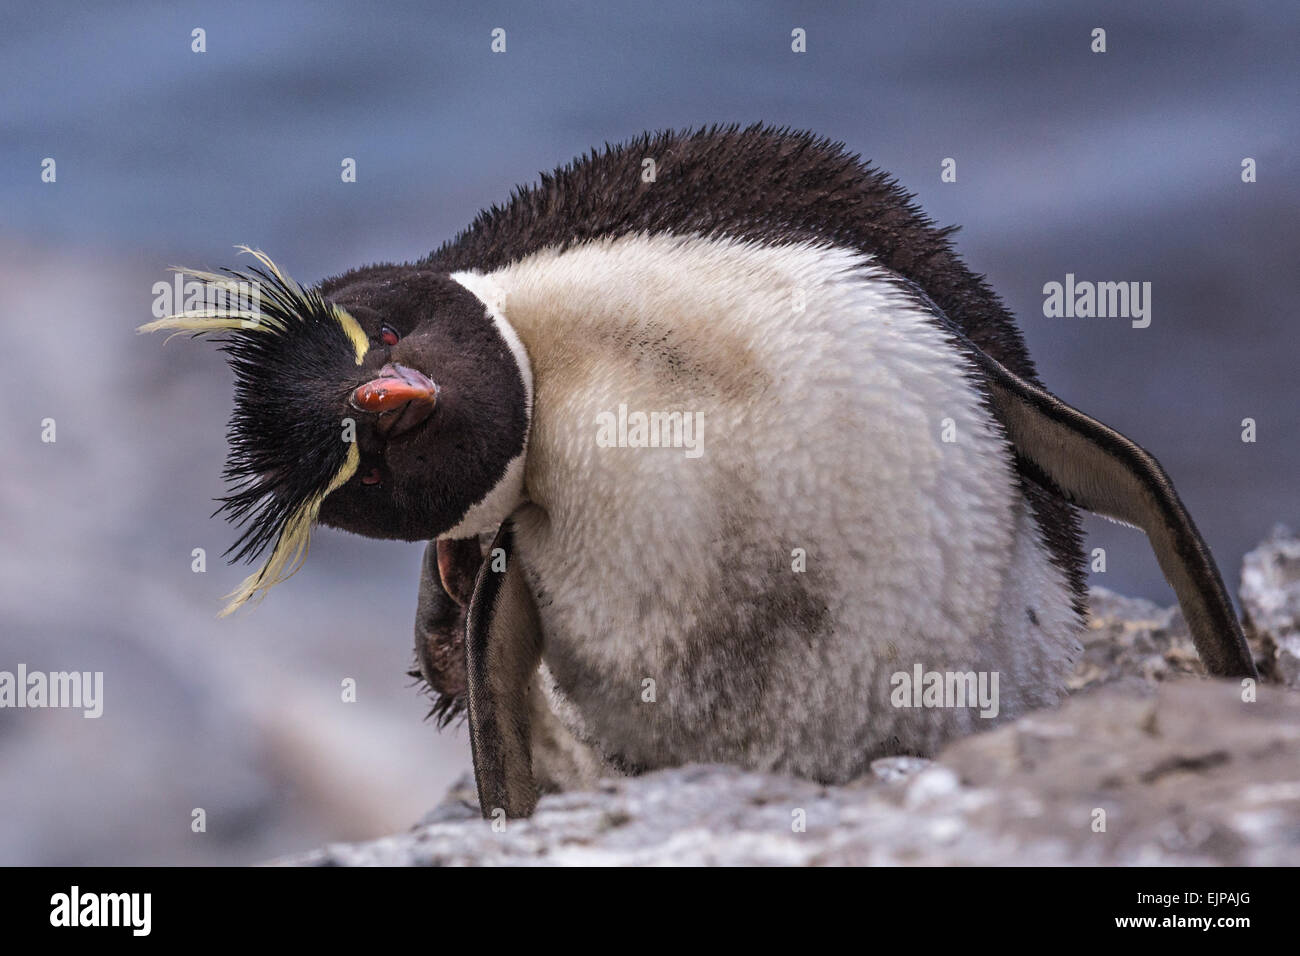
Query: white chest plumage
[842, 508]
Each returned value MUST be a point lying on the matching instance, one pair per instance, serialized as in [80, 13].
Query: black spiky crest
[295, 358]
[285, 435]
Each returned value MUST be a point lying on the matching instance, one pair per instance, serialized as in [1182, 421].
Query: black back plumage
[775, 186]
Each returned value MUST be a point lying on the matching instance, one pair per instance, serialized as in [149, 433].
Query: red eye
[388, 336]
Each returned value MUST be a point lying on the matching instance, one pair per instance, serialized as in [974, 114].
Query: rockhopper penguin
[740, 580]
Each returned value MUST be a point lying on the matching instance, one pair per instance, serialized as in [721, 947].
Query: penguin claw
[446, 585]
[440, 665]
[446, 708]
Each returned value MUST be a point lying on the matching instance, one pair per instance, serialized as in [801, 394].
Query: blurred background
[1123, 166]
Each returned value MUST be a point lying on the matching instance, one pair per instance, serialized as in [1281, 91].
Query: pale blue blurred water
[1122, 166]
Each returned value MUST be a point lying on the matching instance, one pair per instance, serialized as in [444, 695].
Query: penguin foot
[448, 700]
[440, 666]
[446, 583]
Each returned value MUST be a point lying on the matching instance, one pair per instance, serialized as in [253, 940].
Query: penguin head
[391, 402]
[442, 410]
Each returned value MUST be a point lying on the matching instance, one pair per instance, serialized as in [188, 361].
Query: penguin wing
[503, 646]
[1092, 465]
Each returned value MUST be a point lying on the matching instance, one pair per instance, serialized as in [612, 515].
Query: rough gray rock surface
[1270, 598]
[1146, 764]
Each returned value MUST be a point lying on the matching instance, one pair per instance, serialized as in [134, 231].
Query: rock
[897, 769]
[1190, 775]
[1147, 763]
[1132, 638]
[1270, 600]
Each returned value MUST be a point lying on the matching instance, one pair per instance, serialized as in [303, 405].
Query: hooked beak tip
[394, 387]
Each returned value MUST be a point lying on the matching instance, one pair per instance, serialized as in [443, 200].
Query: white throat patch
[486, 515]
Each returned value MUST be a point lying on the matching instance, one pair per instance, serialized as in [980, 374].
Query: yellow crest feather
[294, 538]
[291, 547]
[216, 320]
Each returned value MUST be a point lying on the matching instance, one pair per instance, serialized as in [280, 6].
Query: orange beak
[395, 386]
[401, 396]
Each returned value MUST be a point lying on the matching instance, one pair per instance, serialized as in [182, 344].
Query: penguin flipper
[1092, 465]
[503, 645]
